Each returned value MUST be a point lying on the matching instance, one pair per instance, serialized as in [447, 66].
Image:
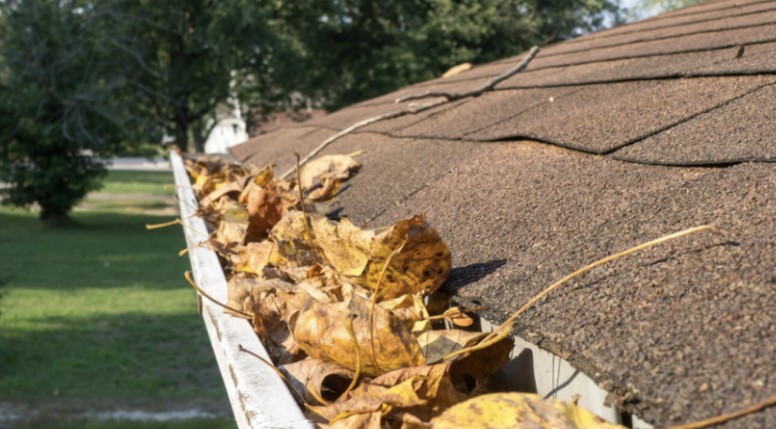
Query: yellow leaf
[518, 411]
[321, 333]
[421, 266]
[327, 191]
[345, 246]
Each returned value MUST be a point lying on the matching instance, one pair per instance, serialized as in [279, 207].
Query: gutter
[260, 398]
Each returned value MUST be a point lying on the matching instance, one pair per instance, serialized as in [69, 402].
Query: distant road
[139, 163]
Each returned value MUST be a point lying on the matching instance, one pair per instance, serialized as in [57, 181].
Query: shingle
[678, 333]
[481, 112]
[740, 17]
[266, 142]
[652, 328]
[695, 42]
[749, 130]
[278, 147]
[601, 118]
[759, 58]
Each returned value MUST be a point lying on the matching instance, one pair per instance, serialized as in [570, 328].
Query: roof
[602, 143]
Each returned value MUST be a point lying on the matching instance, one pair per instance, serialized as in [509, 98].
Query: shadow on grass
[102, 250]
[69, 365]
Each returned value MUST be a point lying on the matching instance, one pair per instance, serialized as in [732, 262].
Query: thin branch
[508, 324]
[358, 125]
[479, 91]
[417, 109]
[729, 416]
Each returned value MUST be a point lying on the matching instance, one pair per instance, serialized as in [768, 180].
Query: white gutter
[259, 398]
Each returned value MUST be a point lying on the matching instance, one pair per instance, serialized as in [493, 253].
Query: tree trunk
[55, 217]
[182, 134]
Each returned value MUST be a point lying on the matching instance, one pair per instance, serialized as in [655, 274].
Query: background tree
[55, 128]
[357, 49]
[181, 59]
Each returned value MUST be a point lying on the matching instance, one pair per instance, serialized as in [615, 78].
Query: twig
[304, 208]
[507, 325]
[349, 328]
[729, 416]
[277, 371]
[479, 91]
[374, 302]
[187, 274]
[362, 124]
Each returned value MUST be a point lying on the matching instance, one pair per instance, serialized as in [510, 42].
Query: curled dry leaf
[371, 398]
[317, 381]
[337, 167]
[439, 343]
[321, 334]
[327, 191]
[421, 266]
[435, 388]
[517, 411]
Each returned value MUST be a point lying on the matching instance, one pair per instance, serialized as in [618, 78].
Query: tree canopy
[55, 127]
[79, 79]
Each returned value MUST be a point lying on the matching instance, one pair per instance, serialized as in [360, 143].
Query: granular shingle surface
[602, 143]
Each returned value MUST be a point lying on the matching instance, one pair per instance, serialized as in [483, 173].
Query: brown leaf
[321, 333]
[339, 167]
[518, 411]
[435, 389]
[233, 224]
[316, 379]
[421, 266]
[266, 206]
[240, 287]
[370, 398]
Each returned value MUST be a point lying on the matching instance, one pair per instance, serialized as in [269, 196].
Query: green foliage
[356, 49]
[54, 126]
[180, 60]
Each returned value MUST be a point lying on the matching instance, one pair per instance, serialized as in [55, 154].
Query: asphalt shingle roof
[604, 142]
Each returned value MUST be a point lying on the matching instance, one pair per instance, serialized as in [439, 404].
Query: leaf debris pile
[341, 309]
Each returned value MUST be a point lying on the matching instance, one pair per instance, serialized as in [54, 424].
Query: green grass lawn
[98, 317]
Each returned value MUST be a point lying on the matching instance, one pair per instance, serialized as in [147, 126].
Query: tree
[357, 49]
[55, 128]
[181, 59]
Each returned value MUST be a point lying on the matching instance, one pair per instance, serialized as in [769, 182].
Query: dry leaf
[293, 240]
[316, 379]
[327, 191]
[421, 266]
[320, 331]
[233, 224]
[339, 167]
[240, 287]
[439, 343]
[457, 69]
[345, 246]
[435, 389]
[266, 206]
[517, 411]
[253, 257]
[408, 308]
[370, 398]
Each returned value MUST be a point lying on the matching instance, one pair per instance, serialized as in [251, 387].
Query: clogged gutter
[339, 310]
